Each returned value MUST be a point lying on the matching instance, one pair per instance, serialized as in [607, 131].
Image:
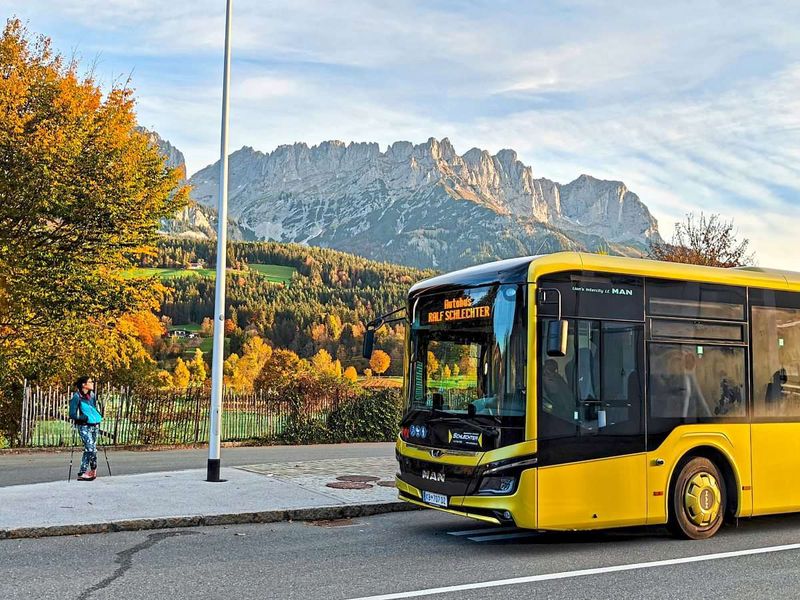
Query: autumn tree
[164, 379]
[334, 325]
[181, 377]
[207, 327]
[144, 325]
[705, 240]
[229, 368]
[81, 191]
[323, 363]
[379, 362]
[230, 326]
[246, 369]
[467, 365]
[350, 374]
[281, 369]
[432, 364]
[197, 368]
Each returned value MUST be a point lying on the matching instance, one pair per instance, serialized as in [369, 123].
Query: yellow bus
[577, 391]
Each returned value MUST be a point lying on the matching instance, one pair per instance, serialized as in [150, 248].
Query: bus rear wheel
[697, 500]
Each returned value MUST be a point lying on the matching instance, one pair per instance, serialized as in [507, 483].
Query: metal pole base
[212, 474]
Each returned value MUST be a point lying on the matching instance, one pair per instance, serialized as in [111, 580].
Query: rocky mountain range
[423, 205]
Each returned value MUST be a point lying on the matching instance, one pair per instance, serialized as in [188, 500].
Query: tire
[697, 503]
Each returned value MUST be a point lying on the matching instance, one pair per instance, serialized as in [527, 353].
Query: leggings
[88, 435]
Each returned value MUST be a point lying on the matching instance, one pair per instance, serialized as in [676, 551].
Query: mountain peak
[507, 156]
[423, 204]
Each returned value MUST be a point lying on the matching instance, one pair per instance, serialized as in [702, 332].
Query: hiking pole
[101, 433]
[105, 453]
[71, 454]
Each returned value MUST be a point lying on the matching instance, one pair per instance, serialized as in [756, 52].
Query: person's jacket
[74, 407]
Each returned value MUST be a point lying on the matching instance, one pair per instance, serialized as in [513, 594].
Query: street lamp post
[215, 415]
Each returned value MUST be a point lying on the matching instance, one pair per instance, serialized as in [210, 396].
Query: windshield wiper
[469, 422]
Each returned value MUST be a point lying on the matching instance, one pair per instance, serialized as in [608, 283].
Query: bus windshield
[468, 353]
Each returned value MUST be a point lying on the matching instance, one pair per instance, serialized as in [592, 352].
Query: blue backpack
[93, 417]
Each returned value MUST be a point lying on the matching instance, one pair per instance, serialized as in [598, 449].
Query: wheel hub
[702, 499]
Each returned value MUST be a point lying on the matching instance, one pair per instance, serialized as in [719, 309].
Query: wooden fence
[134, 418]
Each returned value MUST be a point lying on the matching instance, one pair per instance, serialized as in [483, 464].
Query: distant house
[199, 264]
[183, 333]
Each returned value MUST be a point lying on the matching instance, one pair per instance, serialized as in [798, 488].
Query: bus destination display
[458, 309]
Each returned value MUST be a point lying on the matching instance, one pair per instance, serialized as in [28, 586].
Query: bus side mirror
[557, 332]
[369, 342]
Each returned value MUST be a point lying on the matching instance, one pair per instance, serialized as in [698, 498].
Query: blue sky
[694, 105]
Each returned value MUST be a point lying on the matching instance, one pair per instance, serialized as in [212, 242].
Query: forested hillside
[322, 306]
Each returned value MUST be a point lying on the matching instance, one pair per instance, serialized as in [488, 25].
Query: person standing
[86, 418]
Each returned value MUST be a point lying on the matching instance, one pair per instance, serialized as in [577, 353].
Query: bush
[323, 412]
[305, 400]
[10, 414]
[371, 416]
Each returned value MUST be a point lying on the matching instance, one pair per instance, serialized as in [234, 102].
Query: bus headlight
[496, 486]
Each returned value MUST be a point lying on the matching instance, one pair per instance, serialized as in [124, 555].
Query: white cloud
[691, 104]
[265, 86]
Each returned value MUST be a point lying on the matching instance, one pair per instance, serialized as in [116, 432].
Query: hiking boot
[88, 476]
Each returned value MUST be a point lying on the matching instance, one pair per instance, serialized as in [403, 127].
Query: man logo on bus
[433, 476]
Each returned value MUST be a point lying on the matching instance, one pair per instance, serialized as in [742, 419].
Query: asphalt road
[400, 554]
[36, 467]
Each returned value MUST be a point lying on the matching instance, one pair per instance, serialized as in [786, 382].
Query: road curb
[321, 513]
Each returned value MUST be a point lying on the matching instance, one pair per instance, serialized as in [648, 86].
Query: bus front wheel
[697, 500]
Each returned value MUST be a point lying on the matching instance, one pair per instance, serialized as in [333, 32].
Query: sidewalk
[262, 493]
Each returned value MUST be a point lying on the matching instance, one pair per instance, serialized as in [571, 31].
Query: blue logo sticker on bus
[418, 431]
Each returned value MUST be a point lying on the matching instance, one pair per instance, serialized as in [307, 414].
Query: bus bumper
[517, 509]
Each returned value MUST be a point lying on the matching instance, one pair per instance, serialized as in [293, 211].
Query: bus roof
[530, 268]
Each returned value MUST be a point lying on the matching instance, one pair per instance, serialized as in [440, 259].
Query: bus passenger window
[776, 361]
[695, 382]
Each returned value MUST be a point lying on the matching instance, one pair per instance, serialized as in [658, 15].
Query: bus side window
[776, 354]
[695, 382]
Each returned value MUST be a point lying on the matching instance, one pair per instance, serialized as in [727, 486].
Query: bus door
[775, 326]
[590, 422]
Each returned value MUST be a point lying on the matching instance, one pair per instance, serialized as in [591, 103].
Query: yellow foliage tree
[282, 368]
[246, 370]
[350, 374]
[335, 326]
[181, 375]
[467, 365]
[164, 379]
[323, 364]
[197, 368]
[379, 362]
[229, 369]
[433, 364]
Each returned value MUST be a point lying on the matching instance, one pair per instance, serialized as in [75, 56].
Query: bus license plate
[435, 499]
